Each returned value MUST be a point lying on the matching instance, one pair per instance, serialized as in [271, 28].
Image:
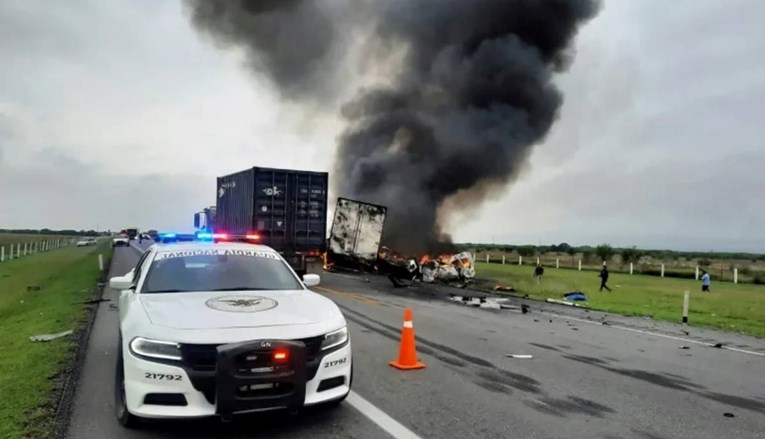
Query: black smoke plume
[472, 94]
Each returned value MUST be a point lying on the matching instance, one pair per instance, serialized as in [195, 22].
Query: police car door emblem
[241, 303]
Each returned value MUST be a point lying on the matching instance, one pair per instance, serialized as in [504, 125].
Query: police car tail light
[252, 237]
[165, 350]
[280, 355]
[335, 338]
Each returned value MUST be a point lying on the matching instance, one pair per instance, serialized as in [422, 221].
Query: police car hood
[238, 309]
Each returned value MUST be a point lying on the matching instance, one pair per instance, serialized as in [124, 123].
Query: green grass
[730, 307]
[28, 370]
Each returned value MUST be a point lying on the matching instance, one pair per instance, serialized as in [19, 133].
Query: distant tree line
[64, 232]
[606, 252]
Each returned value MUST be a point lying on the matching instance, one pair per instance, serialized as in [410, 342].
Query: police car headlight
[165, 350]
[335, 338]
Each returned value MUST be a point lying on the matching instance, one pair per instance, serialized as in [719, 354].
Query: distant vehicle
[285, 208]
[121, 241]
[204, 221]
[153, 234]
[132, 233]
[196, 343]
[85, 242]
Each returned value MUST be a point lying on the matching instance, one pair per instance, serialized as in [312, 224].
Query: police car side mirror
[120, 283]
[311, 280]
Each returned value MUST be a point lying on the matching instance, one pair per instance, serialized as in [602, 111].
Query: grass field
[28, 370]
[731, 307]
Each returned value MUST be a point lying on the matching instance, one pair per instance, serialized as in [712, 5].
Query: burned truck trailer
[354, 239]
[285, 208]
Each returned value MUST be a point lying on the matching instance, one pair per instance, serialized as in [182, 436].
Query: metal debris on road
[729, 415]
[685, 347]
[718, 345]
[506, 288]
[524, 308]
[685, 332]
[520, 356]
[49, 337]
[563, 302]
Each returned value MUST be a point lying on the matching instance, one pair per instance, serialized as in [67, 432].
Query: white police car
[215, 329]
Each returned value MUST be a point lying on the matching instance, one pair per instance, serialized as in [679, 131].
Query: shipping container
[287, 208]
[354, 239]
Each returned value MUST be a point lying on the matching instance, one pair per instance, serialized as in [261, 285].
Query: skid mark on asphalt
[673, 382]
[352, 296]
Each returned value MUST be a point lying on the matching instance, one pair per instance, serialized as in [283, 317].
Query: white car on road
[86, 242]
[215, 329]
[121, 241]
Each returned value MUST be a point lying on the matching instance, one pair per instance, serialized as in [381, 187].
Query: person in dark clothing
[604, 278]
[538, 272]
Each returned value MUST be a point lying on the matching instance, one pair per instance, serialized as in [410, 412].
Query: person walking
[706, 282]
[604, 278]
[538, 272]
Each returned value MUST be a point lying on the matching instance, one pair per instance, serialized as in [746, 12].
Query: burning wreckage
[354, 244]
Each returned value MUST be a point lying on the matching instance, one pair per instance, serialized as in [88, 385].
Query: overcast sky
[118, 113]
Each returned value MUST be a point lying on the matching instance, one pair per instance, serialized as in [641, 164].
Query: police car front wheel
[125, 418]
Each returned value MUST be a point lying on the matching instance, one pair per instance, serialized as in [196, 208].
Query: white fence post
[631, 267]
[735, 275]
[520, 260]
[25, 249]
[557, 262]
[503, 259]
[686, 299]
[100, 262]
[487, 258]
[18, 250]
[2, 254]
[580, 265]
[697, 272]
[537, 260]
[662, 270]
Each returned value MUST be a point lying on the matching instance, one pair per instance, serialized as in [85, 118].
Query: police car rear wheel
[125, 418]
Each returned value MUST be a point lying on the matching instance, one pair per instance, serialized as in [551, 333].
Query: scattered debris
[605, 323]
[563, 302]
[506, 288]
[536, 320]
[49, 337]
[685, 332]
[101, 284]
[574, 329]
[685, 347]
[575, 296]
[729, 415]
[365, 280]
[641, 350]
[33, 287]
[524, 308]
[718, 345]
[113, 307]
[550, 320]
[520, 356]
[483, 302]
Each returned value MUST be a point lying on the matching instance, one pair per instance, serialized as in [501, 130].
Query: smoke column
[472, 94]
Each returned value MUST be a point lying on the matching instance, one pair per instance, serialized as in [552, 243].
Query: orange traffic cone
[407, 354]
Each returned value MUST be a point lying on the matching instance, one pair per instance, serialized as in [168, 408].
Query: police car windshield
[218, 270]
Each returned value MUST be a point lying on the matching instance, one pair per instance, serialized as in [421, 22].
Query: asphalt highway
[584, 380]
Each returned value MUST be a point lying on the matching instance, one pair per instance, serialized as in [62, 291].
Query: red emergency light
[252, 237]
[280, 355]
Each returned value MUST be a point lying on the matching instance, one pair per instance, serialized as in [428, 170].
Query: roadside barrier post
[557, 262]
[2, 254]
[487, 258]
[520, 260]
[735, 275]
[18, 250]
[537, 260]
[697, 272]
[503, 259]
[630, 267]
[25, 249]
[580, 265]
[100, 262]
[686, 299]
[662, 270]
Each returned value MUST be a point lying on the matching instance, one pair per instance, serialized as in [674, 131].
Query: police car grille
[199, 361]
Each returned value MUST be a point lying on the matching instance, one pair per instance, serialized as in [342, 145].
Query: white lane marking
[656, 334]
[390, 425]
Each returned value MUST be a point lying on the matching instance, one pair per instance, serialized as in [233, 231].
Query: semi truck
[354, 239]
[285, 208]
